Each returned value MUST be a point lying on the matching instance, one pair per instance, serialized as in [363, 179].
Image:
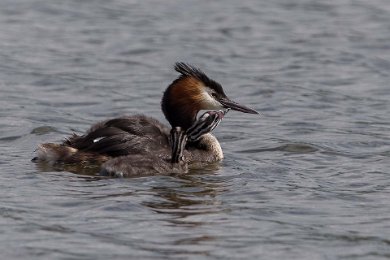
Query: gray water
[308, 179]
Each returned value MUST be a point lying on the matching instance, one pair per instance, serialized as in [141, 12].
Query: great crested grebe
[140, 145]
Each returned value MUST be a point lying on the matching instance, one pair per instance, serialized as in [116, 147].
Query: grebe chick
[133, 145]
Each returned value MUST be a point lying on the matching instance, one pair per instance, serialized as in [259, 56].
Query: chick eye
[214, 94]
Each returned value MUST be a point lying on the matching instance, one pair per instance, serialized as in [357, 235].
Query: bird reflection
[88, 173]
[195, 194]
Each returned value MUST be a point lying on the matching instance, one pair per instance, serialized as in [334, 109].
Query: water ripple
[308, 179]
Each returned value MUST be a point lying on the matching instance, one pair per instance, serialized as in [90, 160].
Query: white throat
[208, 102]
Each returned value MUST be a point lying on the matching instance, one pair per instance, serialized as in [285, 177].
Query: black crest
[187, 70]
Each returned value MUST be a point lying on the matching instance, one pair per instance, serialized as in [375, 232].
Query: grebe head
[191, 92]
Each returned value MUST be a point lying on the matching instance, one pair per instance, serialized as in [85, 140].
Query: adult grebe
[140, 145]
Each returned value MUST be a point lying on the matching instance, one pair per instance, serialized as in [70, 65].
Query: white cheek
[209, 102]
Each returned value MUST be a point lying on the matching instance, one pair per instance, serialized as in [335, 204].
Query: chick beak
[227, 103]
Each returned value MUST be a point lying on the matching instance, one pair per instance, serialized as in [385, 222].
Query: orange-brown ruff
[140, 145]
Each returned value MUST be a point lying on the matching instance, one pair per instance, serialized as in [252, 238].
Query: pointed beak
[227, 103]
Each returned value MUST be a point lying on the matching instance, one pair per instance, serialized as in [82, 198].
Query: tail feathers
[52, 153]
[60, 153]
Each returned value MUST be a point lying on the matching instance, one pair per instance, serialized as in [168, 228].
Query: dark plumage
[137, 134]
[187, 70]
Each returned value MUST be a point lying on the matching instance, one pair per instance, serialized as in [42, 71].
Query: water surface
[308, 179]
